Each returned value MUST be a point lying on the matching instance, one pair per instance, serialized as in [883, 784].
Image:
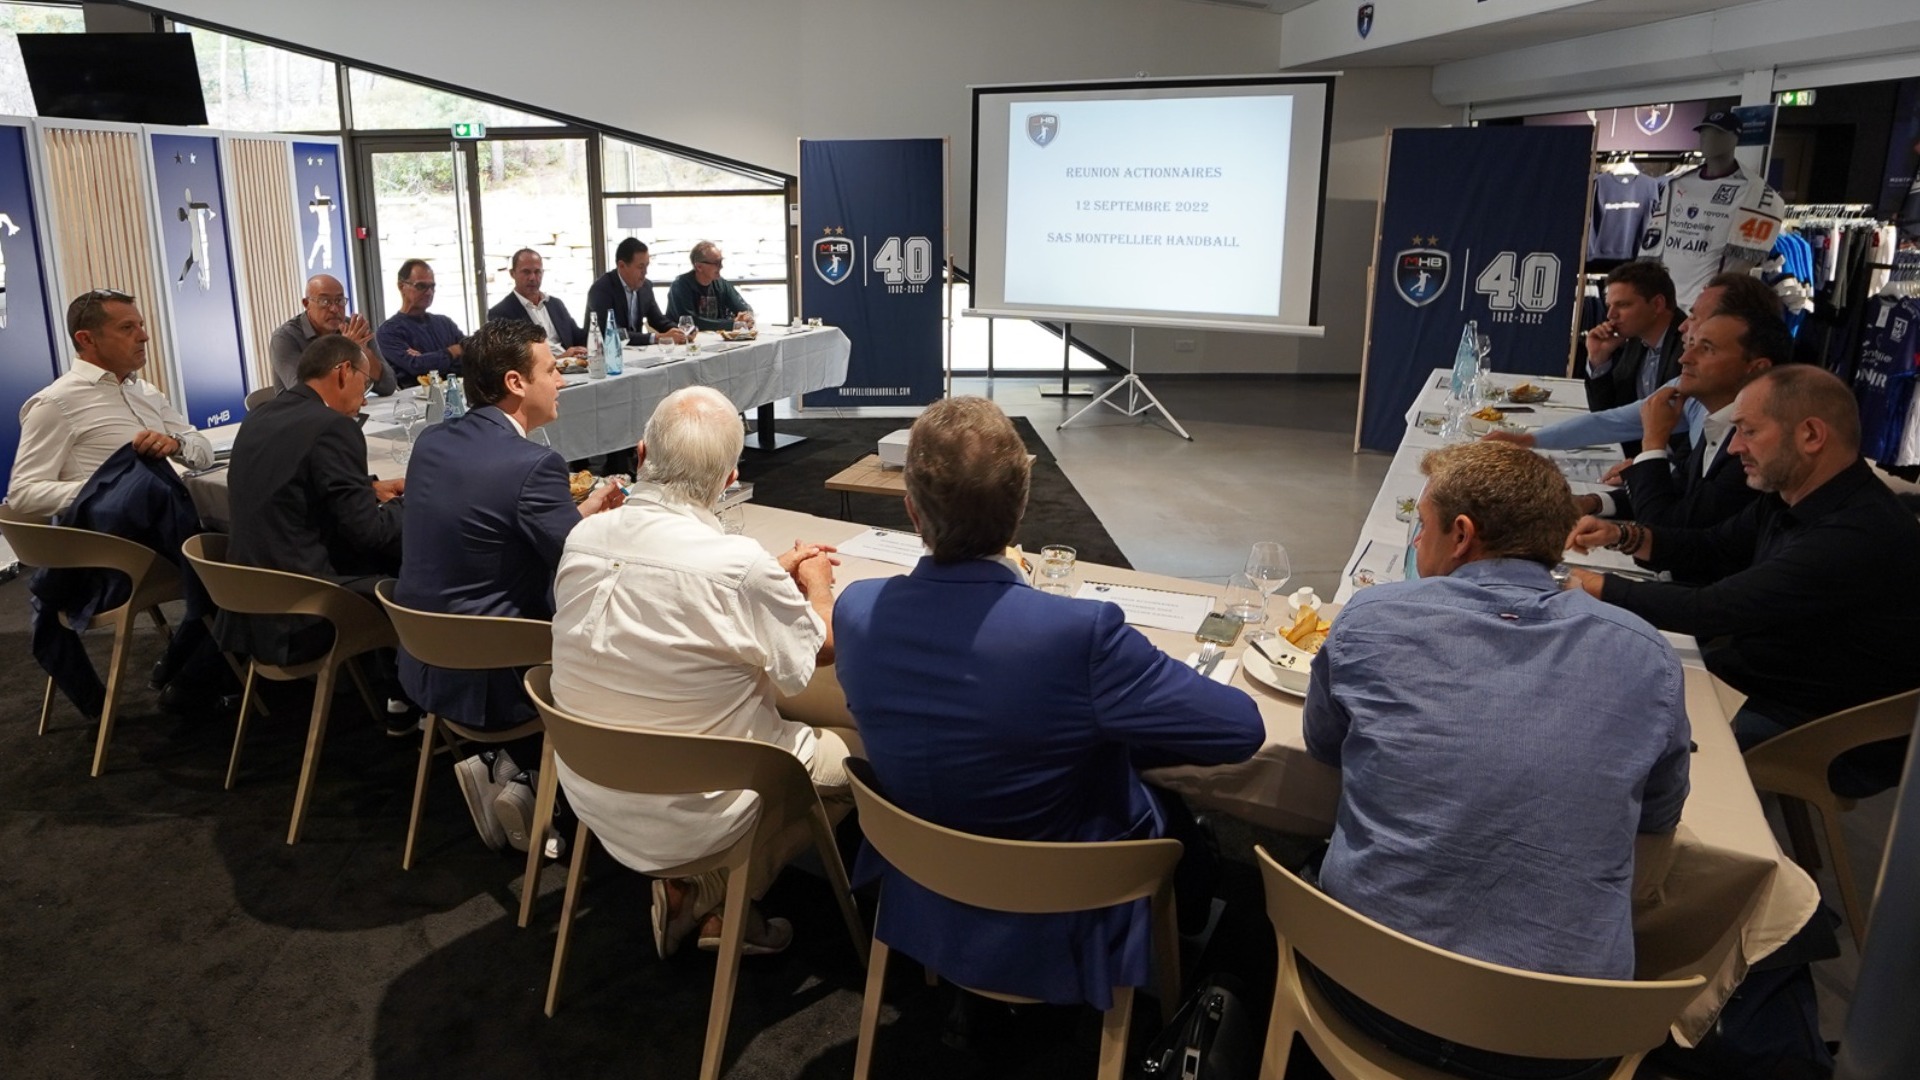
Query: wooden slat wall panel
[104, 228]
[265, 243]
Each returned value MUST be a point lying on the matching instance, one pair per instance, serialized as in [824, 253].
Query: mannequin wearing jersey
[1713, 218]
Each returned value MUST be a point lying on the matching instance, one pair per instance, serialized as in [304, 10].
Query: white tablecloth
[600, 415]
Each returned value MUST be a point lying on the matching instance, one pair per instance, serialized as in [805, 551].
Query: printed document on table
[888, 546]
[1156, 608]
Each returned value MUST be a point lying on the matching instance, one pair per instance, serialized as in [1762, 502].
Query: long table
[602, 415]
[1712, 899]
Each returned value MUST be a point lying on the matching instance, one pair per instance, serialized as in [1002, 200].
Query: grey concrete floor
[1270, 459]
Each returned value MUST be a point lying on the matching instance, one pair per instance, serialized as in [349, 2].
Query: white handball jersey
[1698, 224]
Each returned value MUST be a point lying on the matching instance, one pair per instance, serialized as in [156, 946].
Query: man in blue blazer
[526, 303]
[488, 511]
[990, 707]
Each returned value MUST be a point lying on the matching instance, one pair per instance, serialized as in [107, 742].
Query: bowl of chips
[580, 485]
[1528, 394]
[1286, 662]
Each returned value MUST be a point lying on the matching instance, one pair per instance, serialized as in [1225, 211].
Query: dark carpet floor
[155, 925]
[794, 479]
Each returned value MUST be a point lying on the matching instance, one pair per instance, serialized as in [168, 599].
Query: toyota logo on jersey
[1420, 274]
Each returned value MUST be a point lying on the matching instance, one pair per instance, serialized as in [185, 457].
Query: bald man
[1814, 601]
[324, 311]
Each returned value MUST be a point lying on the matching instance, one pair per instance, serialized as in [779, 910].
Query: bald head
[692, 443]
[1798, 393]
[325, 303]
[1794, 429]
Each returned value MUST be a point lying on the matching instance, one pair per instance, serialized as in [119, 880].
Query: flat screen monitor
[127, 78]
[1177, 202]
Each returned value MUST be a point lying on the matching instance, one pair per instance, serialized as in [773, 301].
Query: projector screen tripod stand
[1136, 389]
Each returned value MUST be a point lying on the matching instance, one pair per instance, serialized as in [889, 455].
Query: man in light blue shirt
[1501, 742]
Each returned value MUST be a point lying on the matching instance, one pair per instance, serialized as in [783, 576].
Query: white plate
[1288, 680]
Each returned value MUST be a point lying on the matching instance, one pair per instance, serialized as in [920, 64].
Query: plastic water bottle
[610, 344]
[1464, 387]
[456, 398]
[596, 348]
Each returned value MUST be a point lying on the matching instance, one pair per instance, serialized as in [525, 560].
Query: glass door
[533, 194]
[422, 208]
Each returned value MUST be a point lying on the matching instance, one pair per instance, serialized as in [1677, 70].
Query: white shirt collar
[87, 371]
[648, 491]
[531, 305]
[515, 421]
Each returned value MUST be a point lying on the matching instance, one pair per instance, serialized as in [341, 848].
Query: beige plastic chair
[155, 581]
[1794, 765]
[634, 760]
[359, 627]
[261, 396]
[466, 643]
[1025, 877]
[1471, 1002]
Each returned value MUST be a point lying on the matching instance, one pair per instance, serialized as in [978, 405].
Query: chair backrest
[1023, 876]
[260, 396]
[1802, 754]
[251, 590]
[467, 642]
[58, 547]
[1468, 1001]
[657, 763]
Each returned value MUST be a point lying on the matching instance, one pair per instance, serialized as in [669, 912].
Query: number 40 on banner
[1520, 290]
[905, 266]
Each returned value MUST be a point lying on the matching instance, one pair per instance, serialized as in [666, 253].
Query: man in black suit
[526, 303]
[625, 291]
[1637, 349]
[302, 499]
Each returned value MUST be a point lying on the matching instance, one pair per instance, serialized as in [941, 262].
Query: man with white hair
[665, 622]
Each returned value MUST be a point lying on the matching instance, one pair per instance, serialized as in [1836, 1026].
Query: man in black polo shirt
[1814, 605]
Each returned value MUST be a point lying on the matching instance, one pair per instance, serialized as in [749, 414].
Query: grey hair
[704, 251]
[693, 441]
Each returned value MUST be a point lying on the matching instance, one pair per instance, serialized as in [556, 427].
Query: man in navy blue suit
[488, 510]
[991, 707]
[526, 303]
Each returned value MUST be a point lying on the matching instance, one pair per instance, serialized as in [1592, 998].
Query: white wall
[746, 79]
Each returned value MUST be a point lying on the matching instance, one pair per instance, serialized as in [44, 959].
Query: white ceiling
[1596, 17]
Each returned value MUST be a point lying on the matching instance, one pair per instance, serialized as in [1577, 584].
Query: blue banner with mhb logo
[1486, 224]
[873, 241]
[201, 295]
[29, 336]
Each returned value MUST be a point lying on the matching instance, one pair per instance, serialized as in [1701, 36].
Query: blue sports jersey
[1883, 378]
[1622, 206]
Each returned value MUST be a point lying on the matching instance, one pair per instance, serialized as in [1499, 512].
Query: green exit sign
[470, 130]
[1794, 97]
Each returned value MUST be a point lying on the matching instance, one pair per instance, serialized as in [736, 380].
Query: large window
[384, 103]
[16, 97]
[253, 87]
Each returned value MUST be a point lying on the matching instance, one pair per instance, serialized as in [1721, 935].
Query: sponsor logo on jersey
[1693, 212]
[1650, 240]
[1366, 19]
[1899, 329]
[1043, 128]
[1653, 119]
[1420, 274]
[833, 259]
[1727, 195]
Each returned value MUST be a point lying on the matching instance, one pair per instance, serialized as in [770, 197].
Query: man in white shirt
[665, 622]
[526, 303]
[69, 429]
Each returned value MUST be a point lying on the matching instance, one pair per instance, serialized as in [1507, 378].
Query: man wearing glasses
[416, 342]
[324, 311]
[68, 430]
[702, 293]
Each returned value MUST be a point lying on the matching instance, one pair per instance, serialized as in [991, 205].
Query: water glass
[1056, 563]
[1245, 601]
[733, 519]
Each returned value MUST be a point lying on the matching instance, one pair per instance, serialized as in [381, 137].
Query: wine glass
[1246, 601]
[1269, 568]
[686, 326]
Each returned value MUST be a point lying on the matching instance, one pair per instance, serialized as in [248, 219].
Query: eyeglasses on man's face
[420, 286]
[337, 303]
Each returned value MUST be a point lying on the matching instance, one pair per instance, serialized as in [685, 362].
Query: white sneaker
[513, 809]
[477, 785]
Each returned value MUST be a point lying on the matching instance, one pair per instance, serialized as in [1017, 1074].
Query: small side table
[867, 477]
